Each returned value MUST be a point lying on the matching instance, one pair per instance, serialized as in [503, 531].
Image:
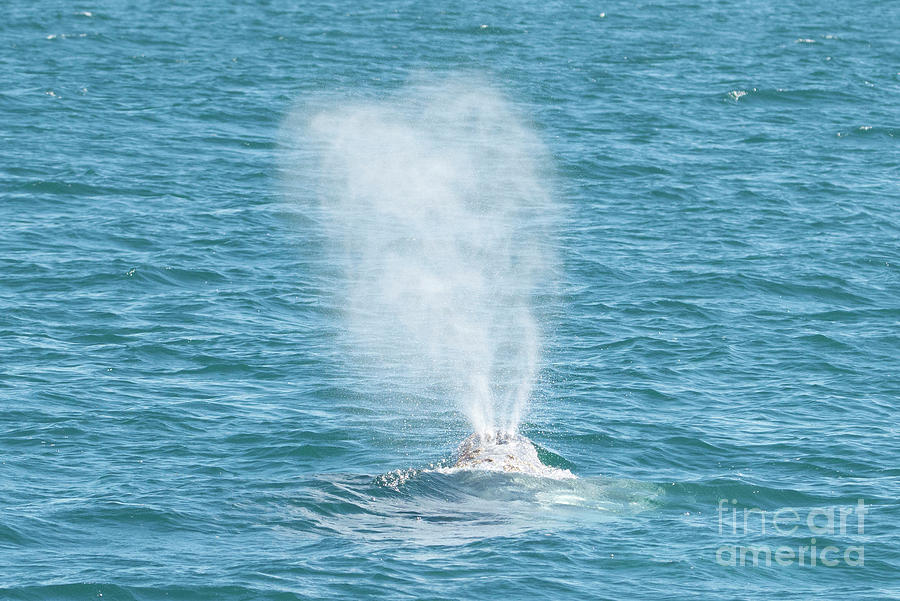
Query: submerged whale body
[503, 452]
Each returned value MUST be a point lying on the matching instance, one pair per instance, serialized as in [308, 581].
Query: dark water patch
[10, 537]
[106, 513]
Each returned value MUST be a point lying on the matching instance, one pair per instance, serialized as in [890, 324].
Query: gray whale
[503, 452]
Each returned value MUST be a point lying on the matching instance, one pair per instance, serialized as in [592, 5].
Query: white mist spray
[435, 202]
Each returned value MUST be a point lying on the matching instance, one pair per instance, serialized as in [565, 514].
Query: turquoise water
[182, 417]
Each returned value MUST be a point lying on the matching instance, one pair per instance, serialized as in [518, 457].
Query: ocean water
[263, 266]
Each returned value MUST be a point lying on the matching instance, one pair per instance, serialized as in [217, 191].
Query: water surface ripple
[178, 422]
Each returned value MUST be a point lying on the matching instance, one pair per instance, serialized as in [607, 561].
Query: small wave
[493, 495]
[789, 96]
[64, 36]
[867, 131]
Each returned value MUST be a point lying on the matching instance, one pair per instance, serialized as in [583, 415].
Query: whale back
[503, 452]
